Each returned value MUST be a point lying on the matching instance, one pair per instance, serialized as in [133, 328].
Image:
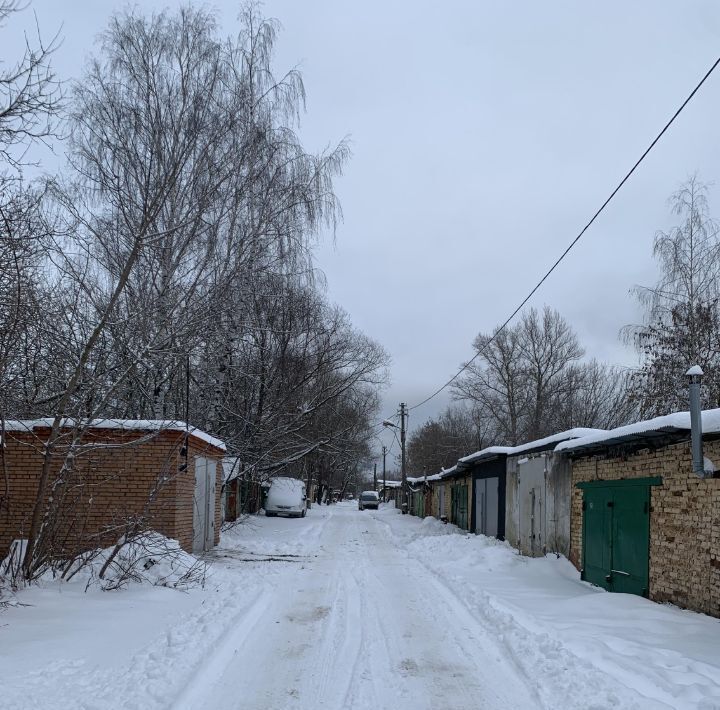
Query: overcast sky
[484, 135]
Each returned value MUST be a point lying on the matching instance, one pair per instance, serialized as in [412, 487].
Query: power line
[574, 241]
[392, 443]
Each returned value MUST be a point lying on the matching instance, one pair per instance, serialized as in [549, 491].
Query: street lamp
[388, 423]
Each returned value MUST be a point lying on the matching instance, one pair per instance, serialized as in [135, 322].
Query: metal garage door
[204, 504]
[459, 506]
[616, 534]
[532, 509]
[486, 506]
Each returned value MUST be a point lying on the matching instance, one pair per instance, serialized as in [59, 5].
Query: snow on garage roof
[128, 424]
[389, 484]
[447, 472]
[424, 479]
[678, 421]
[527, 447]
[486, 453]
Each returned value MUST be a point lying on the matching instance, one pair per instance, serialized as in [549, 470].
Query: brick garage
[684, 511]
[118, 467]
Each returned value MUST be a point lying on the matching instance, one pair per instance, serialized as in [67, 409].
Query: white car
[368, 499]
[286, 497]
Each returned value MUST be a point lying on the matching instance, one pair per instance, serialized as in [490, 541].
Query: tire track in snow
[211, 672]
[554, 671]
[303, 651]
[361, 626]
[341, 640]
[433, 654]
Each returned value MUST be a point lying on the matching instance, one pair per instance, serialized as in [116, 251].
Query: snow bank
[569, 635]
[149, 558]
[71, 645]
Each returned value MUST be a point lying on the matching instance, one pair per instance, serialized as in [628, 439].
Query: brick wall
[116, 474]
[684, 521]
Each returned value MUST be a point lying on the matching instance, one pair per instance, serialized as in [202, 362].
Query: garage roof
[655, 432]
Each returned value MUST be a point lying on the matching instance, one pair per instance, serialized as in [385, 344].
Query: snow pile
[72, 645]
[417, 530]
[150, 558]
[571, 636]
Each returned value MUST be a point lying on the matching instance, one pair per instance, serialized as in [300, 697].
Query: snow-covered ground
[349, 609]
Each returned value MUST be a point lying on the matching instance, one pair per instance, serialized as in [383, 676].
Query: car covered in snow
[286, 497]
[368, 499]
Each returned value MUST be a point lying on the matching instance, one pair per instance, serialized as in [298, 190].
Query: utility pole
[403, 416]
[375, 476]
[403, 484]
[384, 481]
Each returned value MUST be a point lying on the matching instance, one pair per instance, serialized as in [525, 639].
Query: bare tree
[30, 96]
[682, 326]
[520, 374]
[30, 99]
[595, 395]
[179, 271]
[495, 383]
[549, 347]
[440, 442]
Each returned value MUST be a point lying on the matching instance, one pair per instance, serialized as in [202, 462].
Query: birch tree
[181, 277]
[682, 320]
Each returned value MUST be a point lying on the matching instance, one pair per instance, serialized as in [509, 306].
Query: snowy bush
[149, 558]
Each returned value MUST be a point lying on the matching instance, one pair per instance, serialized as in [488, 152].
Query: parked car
[368, 499]
[286, 497]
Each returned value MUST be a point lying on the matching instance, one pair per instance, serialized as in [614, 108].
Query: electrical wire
[389, 449]
[575, 240]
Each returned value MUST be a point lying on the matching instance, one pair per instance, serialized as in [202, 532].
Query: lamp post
[384, 452]
[403, 487]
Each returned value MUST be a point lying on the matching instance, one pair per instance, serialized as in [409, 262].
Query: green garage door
[419, 504]
[616, 534]
[597, 535]
[459, 506]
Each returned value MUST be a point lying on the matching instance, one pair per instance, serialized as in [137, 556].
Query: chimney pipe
[694, 375]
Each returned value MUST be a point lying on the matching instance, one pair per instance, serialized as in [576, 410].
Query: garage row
[624, 506]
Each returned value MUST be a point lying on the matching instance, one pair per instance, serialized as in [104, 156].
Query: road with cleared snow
[360, 625]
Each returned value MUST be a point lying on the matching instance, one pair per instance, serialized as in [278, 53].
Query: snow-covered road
[348, 609]
[361, 625]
